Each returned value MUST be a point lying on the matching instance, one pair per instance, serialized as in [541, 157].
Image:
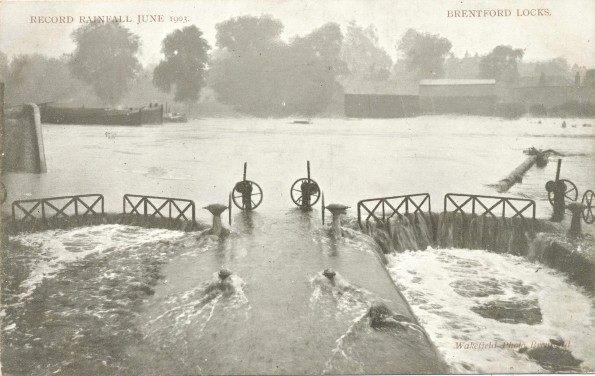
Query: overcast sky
[568, 31]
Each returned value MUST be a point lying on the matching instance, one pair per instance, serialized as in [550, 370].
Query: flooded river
[116, 299]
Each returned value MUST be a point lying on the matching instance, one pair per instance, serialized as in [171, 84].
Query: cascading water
[535, 239]
[488, 312]
[491, 313]
[92, 311]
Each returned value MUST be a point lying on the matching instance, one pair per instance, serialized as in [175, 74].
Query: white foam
[426, 278]
[196, 306]
[57, 248]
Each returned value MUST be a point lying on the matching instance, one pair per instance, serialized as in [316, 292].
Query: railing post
[359, 215]
[473, 204]
[144, 205]
[76, 206]
[429, 205]
[43, 209]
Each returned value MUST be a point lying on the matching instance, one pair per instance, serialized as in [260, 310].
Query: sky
[567, 31]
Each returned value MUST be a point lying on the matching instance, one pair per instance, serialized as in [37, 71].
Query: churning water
[117, 299]
[482, 309]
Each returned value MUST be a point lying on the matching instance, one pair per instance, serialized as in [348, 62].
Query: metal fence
[384, 208]
[57, 207]
[164, 207]
[489, 205]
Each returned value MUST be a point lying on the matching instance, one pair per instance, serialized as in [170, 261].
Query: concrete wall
[484, 105]
[550, 96]
[457, 90]
[23, 140]
[380, 106]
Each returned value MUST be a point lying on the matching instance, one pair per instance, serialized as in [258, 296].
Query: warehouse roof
[449, 82]
[380, 87]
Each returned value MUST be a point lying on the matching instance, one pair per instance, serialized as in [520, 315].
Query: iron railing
[58, 207]
[164, 207]
[488, 205]
[384, 208]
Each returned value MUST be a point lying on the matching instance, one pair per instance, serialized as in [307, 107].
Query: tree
[314, 65]
[243, 67]
[184, 64]
[467, 67]
[248, 33]
[105, 58]
[365, 59]
[424, 53]
[554, 67]
[36, 78]
[501, 64]
[258, 73]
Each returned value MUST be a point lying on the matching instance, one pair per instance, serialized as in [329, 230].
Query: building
[381, 99]
[460, 96]
[549, 91]
[539, 95]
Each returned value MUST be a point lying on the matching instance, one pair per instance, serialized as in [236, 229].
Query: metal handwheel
[250, 189]
[247, 194]
[570, 190]
[305, 192]
[298, 192]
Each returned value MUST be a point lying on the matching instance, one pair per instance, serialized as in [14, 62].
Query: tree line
[250, 68]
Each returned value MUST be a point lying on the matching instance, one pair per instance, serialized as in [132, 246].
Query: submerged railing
[58, 207]
[164, 207]
[384, 208]
[488, 205]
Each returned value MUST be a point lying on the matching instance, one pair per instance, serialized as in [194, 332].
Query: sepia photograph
[297, 187]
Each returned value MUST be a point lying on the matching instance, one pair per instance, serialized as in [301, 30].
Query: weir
[535, 239]
[300, 299]
[256, 302]
[297, 321]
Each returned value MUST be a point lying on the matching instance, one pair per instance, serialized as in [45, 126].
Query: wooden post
[2, 134]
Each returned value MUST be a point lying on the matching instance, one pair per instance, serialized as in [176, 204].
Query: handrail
[49, 203]
[489, 208]
[389, 209]
[147, 206]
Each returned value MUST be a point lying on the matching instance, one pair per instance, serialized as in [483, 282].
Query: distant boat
[101, 116]
[175, 118]
[307, 121]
